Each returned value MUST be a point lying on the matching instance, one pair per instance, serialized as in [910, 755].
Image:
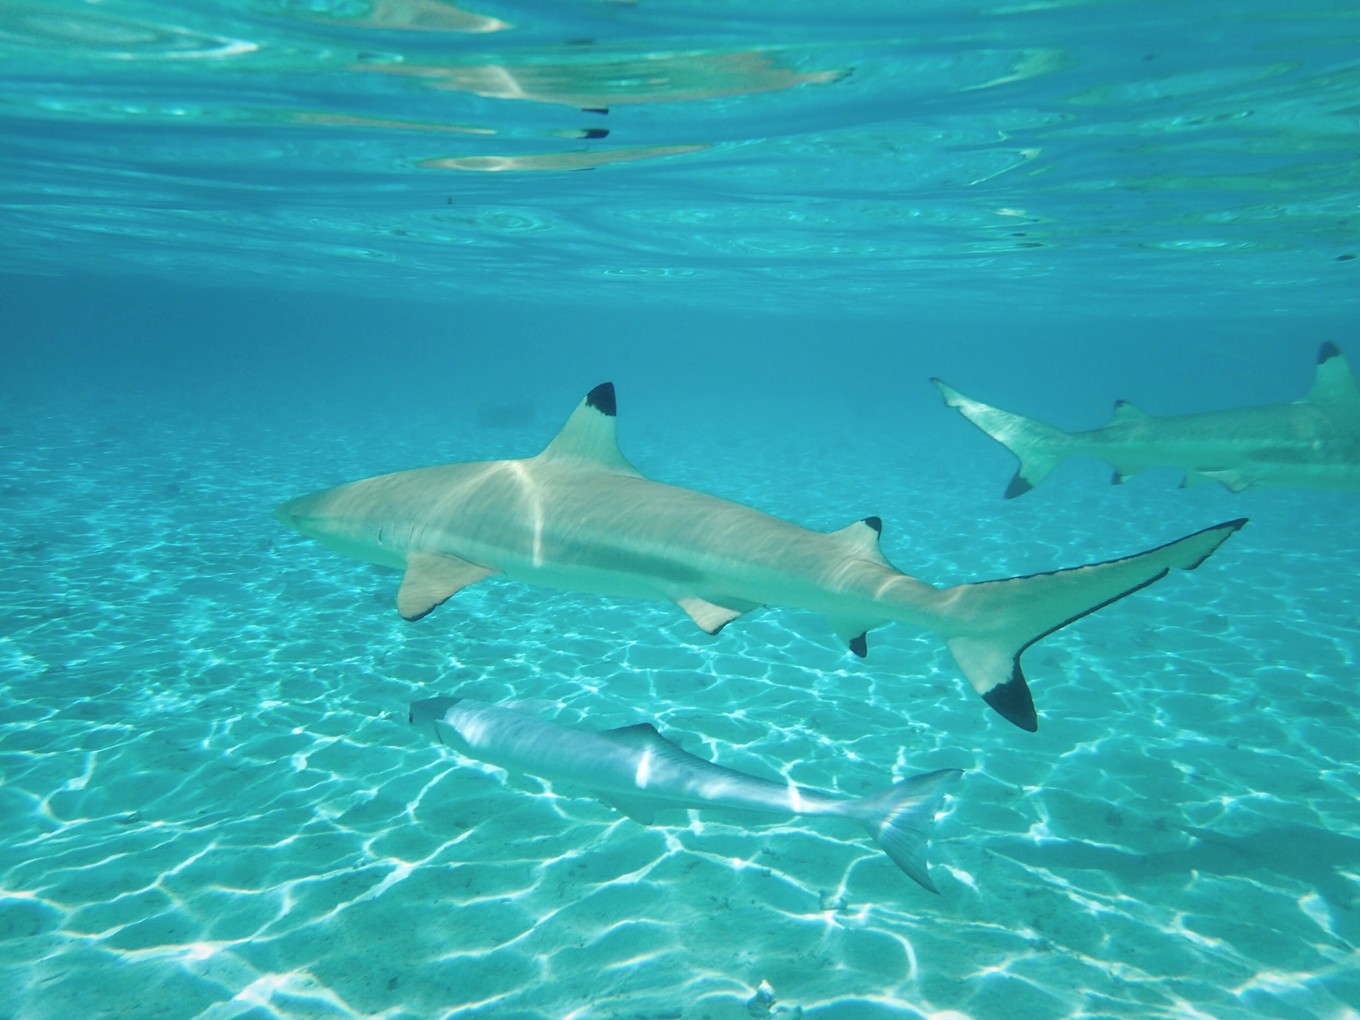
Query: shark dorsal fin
[1333, 383]
[638, 734]
[589, 437]
[1126, 413]
[645, 736]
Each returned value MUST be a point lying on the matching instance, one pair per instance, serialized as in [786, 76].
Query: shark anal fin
[855, 634]
[431, 579]
[710, 616]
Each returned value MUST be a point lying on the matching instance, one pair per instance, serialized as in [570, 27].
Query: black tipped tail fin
[1037, 446]
[901, 820]
[993, 622]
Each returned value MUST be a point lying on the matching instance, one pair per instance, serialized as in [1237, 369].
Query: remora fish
[579, 517]
[1312, 443]
[637, 770]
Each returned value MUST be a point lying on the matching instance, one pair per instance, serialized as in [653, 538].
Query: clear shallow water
[215, 808]
[243, 261]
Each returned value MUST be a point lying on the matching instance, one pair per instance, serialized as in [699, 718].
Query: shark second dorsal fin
[588, 437]
[1126, 414]
[862, 539]
[1333, 384]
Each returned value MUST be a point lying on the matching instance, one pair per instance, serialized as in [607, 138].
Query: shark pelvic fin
[710, 616]
[1333, 383]
[431, 579]
[589, 436]
[639, 809]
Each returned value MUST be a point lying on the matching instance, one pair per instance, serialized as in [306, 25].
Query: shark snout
[284, 512]
[297, 513]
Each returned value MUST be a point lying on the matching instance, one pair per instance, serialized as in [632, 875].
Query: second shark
[1313, 443]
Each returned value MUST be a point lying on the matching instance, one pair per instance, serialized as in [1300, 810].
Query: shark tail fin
[1037, 446]
[901, 818]
[989, 624]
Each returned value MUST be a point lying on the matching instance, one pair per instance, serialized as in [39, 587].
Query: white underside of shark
[579, 517]
[637, 770]
[1312, 443]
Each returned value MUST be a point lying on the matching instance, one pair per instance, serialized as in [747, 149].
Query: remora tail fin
[990, 623]
[1037, 446]
[901, 817]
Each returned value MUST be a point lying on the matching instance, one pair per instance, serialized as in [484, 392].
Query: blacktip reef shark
[579, 517]
[638, 771]
[1312, 443]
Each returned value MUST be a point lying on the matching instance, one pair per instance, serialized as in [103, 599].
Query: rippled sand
[212, 806]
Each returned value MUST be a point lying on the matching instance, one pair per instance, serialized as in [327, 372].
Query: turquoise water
[251, 250]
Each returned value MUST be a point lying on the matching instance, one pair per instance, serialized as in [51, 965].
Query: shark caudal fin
[989, 624]
[901, 819]
[1037, 446]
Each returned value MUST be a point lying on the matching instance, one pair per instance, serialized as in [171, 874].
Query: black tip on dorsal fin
[1329, 350]
[1018, 487]
[876, 523]
[602, 399]
[1119, 403]
[1013, 701]
[860, 644]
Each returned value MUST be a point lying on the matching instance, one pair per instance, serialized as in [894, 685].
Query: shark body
[1312, 443]
[637, 770]
[579, 517]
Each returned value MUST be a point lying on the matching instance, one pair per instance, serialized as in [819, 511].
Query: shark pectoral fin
[710, 616]
[431, 579]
